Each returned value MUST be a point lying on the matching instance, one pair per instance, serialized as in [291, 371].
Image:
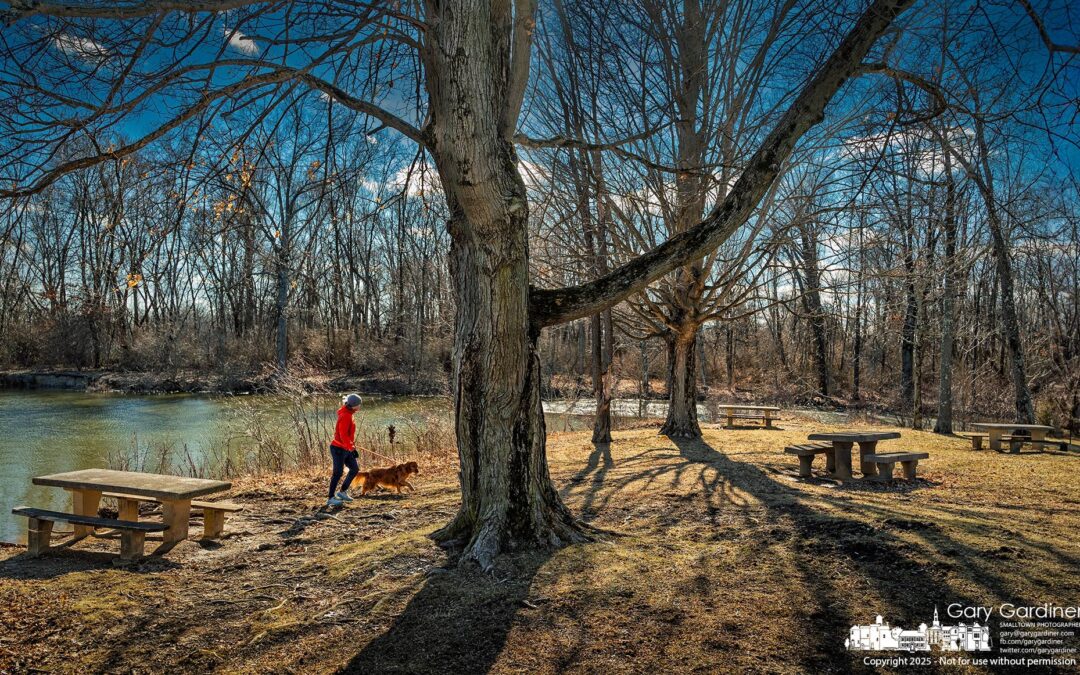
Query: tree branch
[21, 9]
[554, 306]
[1043, 34]
[524, 25]
[341, 96]
[615, 147]
[935, 92]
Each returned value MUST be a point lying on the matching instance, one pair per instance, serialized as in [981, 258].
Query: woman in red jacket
[343, 450]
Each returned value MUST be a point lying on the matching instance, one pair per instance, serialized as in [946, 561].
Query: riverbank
[722, 561]
[196, 382]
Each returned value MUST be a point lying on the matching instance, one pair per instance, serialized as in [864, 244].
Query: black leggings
[342, 458]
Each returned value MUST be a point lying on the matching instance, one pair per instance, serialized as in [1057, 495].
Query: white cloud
[417, 182]
[241, 42]
[83, 48]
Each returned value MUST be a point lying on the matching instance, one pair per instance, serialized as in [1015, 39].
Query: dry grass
[724, 562]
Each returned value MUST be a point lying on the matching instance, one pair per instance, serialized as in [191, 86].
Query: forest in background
[920, 253]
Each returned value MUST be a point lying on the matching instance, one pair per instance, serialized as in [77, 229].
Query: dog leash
[360, 447]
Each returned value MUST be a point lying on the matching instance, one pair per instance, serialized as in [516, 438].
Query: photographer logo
[880, 636]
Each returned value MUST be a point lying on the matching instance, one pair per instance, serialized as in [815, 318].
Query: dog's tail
[361, 474]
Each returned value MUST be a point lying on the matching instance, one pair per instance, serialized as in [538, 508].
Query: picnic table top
[134, 483]
[1002, 425]
[743, 406]
[854, 436]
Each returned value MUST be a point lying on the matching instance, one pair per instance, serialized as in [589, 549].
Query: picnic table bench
[1014, 434]
[732, 412]
[39, 529]
[806, 454]
[886, 462]
[842, 443]
[175, 494]
[213, 512]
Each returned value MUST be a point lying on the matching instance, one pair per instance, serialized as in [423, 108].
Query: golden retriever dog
[395, 477]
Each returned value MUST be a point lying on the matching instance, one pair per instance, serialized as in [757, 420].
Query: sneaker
[333, 501]
[344, 496]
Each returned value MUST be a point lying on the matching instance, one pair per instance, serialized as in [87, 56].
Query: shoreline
[194, 382]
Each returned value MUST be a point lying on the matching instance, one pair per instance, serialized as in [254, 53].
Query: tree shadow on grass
[867, 538]
[457, 623]
[60, 560]
[597, 466]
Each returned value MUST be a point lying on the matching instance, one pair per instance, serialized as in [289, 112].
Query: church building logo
[880, 636]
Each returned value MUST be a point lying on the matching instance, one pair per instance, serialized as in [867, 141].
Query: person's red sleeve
[345, 430]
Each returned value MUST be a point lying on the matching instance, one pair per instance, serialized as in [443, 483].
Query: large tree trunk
[690, 195]
[602, 379]
[682, 419]
[507, 496]
[508, 500]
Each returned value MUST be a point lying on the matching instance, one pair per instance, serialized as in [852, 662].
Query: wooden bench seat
[1017, 440]
[213, 512]
[132, 533]
[886, 461]
[806, 453]
[766, 420]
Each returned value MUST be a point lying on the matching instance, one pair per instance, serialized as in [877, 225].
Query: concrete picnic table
[1037, 432]
[766, 412]
[174, 492]
[843, 441]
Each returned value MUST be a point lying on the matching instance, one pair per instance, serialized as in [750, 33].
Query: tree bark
[907, 345]
[682, 421]
[944, 424]
[602, 380]
[816, 313]
[857, 346]
[281, 306]
[508, 500]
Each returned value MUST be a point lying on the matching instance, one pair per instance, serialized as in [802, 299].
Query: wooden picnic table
[174, 492]
[843, 441]
[1037, 432]
[732, 411]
